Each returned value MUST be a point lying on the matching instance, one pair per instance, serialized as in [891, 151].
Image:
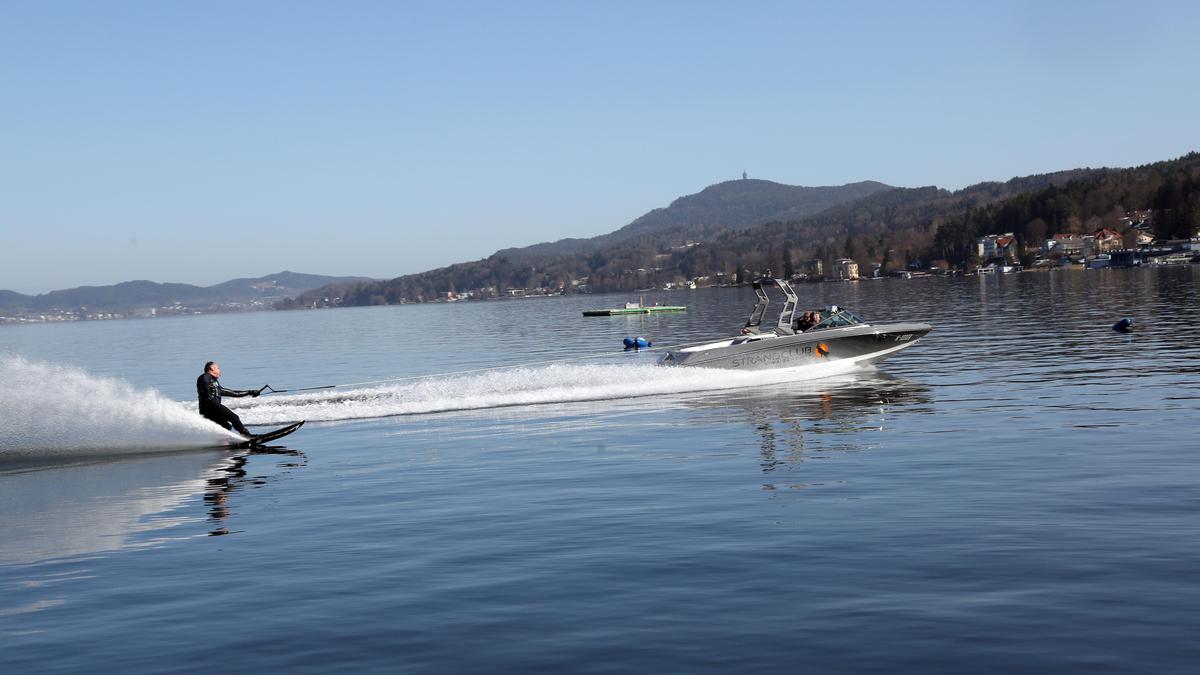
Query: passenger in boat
[807, 321]
[209, 392]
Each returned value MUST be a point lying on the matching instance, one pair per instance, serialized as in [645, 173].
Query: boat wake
[530, 386]
[48, 410]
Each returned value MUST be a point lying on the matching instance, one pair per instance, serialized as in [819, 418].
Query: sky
[198, 142]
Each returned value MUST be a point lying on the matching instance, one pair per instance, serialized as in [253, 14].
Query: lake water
[1019, 491]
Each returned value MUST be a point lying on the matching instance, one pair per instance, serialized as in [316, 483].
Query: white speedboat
[837, 334]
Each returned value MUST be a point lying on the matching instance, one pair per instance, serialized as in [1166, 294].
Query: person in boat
[807, 321]
[209, 391]
[803, 323]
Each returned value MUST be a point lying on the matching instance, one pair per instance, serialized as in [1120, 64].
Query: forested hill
[895, 228]
[1169, 191]
[720, 207]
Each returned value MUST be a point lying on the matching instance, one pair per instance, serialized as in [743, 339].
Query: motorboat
[829, 334]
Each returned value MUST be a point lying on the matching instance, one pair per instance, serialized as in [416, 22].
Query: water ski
[259, 439]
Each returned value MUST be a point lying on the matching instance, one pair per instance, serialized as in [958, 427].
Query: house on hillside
[1002, 246]
[847, 269]
[1006, 247]
[1107, 239]
[1071, 246]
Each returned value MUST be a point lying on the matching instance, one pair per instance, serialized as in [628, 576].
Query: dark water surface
[1020, 491]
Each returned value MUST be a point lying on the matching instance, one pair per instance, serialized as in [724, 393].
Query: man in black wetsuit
[210, 391]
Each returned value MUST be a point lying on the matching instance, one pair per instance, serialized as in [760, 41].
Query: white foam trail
[516, 387]
[55, 410]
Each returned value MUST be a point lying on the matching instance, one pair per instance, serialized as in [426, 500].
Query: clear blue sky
[202, 141]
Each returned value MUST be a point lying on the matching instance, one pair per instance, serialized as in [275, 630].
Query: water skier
[210, 391]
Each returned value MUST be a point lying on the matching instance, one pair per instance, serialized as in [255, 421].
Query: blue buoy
[636, 342]
[1124, 325]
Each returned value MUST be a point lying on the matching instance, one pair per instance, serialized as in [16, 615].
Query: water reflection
[70, 509]
[842, 414]
[234, 477]
[65, 509]
[58, 517]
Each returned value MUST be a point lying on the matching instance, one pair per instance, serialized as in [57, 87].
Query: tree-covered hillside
[716, 208]
[1084, 204]
[894, 228]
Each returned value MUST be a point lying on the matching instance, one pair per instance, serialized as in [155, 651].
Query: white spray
[546, 385]
[49, 410]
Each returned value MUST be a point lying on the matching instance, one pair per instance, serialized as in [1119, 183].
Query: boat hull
[861, 344]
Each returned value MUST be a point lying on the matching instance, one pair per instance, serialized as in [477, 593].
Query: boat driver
[807, 321]
[209, 391]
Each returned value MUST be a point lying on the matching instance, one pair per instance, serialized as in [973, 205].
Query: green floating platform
[634, 308]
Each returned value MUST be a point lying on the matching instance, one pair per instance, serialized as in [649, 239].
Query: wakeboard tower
[275, 434]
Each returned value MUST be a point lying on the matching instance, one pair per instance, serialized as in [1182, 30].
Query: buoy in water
[636, 342]
[1124, 325]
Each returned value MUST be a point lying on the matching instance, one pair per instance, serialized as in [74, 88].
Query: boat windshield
[836, 317]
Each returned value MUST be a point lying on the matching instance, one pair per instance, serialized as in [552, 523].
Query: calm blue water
[1019, 491]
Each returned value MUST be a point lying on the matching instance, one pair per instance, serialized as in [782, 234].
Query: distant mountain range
[713, 212]
[136, 295]
[745, 226]
[716, 208]
[740, 228]
[727, 231]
